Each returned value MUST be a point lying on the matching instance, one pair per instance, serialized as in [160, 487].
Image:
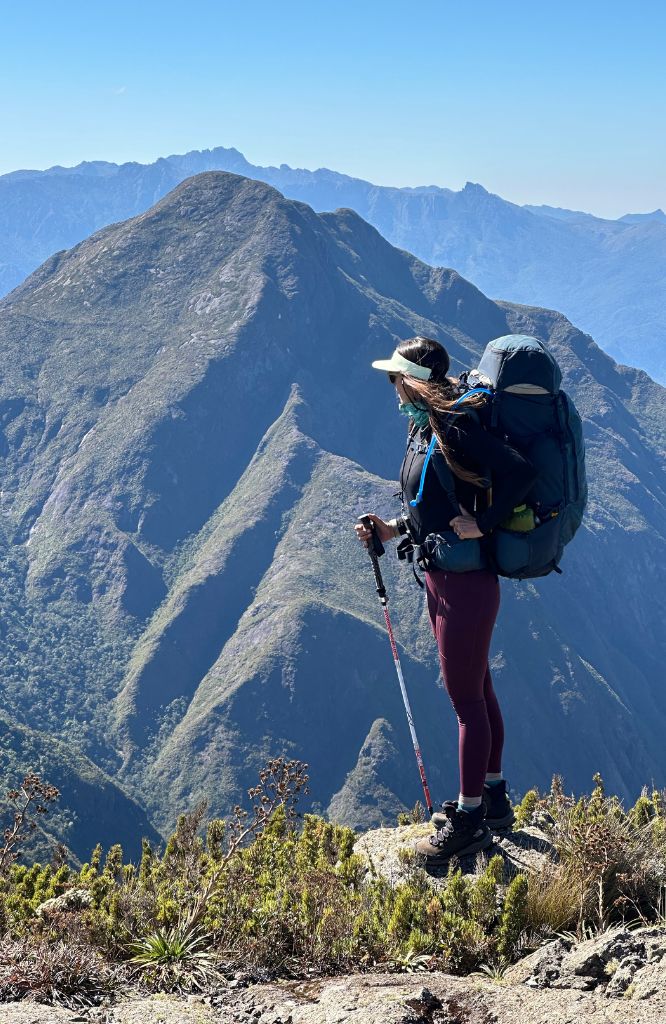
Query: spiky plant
[496, 968]
[410, 962]
[176, 958]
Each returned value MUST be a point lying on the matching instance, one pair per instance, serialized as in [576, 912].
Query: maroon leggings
[463, 607]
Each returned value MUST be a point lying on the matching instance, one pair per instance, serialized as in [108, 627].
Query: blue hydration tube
[433, 441]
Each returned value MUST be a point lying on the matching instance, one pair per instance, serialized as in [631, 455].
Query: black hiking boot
[463, 832]
[499, 813]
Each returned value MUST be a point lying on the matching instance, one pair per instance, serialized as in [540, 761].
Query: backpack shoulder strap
[433, 442]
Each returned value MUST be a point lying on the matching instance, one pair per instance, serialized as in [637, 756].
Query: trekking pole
[375, 549]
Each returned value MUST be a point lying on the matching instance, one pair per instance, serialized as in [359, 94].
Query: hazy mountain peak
[638, 218]
[473, 188]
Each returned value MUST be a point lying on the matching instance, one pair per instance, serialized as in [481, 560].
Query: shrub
[416, 816]
[26, 803]
[609, 864]
[64, 972]
[263, 890]
[613, 860]
[514, 917]
[524, 812]
[484, 896]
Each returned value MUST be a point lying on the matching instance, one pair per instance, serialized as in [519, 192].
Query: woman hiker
[462, 606]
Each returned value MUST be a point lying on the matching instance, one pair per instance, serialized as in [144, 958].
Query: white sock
[468, 803]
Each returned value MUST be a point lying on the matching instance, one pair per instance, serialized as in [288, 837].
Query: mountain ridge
[235, 383]
[605, 275]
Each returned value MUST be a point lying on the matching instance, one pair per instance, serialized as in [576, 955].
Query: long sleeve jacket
[510, 474]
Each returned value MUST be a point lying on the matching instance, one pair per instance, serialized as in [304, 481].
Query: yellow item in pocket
[522, 520]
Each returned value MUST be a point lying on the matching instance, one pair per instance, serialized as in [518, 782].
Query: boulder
[619, 962]
[387, 851]
[541, 967]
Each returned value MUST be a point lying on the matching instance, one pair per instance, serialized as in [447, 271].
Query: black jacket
[473, 448]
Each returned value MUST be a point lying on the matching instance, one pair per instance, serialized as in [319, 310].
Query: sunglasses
[393, 377]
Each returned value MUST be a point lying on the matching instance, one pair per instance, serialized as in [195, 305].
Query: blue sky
[561, 103]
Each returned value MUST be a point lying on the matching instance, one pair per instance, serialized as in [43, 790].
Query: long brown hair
[438, 394]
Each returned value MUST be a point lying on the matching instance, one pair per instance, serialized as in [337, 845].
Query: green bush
[514, 917]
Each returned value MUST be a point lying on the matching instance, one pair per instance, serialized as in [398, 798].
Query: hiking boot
[499, 813]
[463, 832]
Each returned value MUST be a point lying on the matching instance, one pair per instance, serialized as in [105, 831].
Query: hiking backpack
[527, 409]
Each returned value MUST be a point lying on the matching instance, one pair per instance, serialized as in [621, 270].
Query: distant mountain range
[190, 427]
[607, 276]
[561, 214]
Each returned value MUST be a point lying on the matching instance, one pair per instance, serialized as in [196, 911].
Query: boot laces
[454, 823]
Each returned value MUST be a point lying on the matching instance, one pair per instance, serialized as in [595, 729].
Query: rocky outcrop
[618, 963]
[558, 984]
[384, 849]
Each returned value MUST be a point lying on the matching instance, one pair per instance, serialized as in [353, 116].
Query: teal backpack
[527, 408]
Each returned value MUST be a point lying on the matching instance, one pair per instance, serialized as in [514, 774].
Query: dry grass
[610, 864]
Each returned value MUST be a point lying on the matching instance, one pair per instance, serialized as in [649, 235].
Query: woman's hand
[465, 525]
[384, 531]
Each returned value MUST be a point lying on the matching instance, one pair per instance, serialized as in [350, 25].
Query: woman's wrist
[398, 527]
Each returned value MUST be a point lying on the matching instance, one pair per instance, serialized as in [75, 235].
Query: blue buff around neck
[418, 414]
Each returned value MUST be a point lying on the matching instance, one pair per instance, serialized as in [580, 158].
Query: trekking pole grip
[375, 548]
